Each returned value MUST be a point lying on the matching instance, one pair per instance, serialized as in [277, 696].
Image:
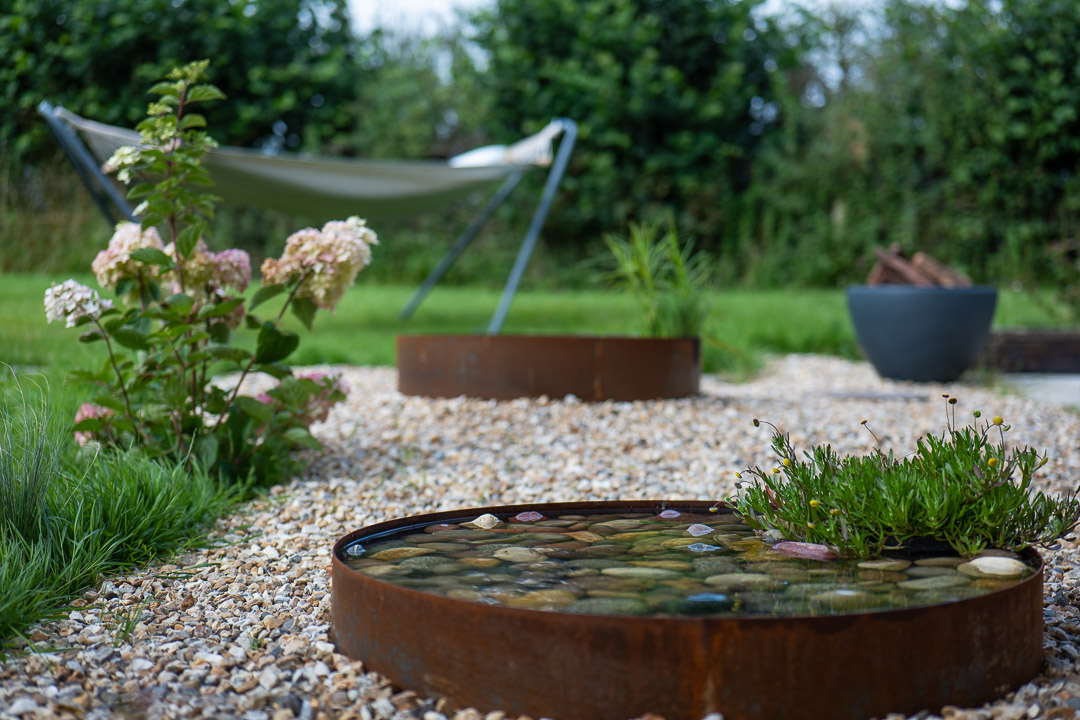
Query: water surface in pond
[676, 562]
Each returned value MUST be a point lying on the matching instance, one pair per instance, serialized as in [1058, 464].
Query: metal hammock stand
[332, 187]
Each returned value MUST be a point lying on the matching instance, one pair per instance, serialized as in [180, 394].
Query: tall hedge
[953, 129]
[960, 136]
[286, 65]
[672, 99]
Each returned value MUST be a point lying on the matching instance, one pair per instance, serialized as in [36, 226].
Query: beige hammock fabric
[326, 188]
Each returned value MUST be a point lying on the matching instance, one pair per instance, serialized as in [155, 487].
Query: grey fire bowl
[919, 333]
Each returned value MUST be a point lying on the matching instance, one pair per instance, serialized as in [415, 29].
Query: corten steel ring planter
[592, 667]
[504, 367]
[1033, 350]
[925, 334]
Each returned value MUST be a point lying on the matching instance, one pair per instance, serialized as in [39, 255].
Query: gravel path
[243, 630]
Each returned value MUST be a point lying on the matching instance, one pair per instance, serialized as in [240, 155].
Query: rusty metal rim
[541, 336]
[830, 667]
[1032, 350]
[591, 367]
[465, 514]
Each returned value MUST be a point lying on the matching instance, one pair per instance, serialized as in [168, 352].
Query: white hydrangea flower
[70, 301]
[123, 162]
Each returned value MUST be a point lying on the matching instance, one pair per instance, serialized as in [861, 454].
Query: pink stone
[528, 516]
[697, 529]
[805, 551]
[670, 514]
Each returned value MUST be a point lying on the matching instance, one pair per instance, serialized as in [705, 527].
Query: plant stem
[182, 368]
[169, 151]
[292, 293]
[251, 362]
[119, 375]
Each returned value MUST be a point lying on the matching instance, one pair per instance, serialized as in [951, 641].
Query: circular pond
[588, 610]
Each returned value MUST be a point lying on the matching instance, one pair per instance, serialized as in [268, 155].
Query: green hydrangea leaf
[275, 344]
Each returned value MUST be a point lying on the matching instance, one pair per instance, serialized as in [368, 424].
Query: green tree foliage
[959, 134]
[287, 64]
[672, 99]
[788, 146]
[297, 76]
[419, 97]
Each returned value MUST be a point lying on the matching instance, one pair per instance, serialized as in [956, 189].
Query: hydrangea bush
[170, 331]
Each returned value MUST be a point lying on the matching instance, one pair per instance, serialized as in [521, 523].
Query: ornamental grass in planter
[666, 278]
[668, 282]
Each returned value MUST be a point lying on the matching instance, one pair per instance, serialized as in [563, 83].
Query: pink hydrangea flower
[333, 380]
[333, 389]
[114, 263]
[232, 269]
[198, 269]
[208, 276]
[88, 411]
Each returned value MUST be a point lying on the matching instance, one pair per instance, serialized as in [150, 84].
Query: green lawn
[742, 325]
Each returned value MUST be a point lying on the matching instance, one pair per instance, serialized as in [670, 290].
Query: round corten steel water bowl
[503, 367]
[600, 667]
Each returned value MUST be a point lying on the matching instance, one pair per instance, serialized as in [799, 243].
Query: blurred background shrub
[786, 144]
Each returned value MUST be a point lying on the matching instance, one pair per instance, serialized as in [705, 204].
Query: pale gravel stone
[242, 630]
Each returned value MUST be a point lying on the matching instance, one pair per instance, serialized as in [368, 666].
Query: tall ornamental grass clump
[964, 488]
[66, 516]
[667, 279]
[170, 329]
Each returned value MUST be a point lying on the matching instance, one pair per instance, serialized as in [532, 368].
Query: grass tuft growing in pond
[963, 488]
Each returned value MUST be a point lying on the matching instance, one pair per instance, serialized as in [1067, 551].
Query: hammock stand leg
[546, 198]
[92, 178]
[462, 242]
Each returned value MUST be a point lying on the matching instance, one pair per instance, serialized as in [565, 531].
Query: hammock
[327, 188]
